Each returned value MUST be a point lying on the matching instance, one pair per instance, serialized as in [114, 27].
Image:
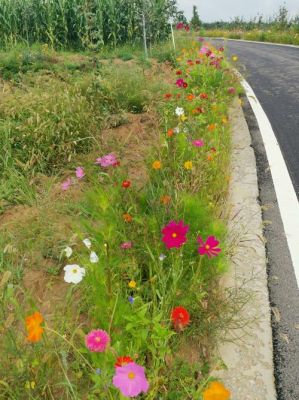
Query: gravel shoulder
[248, 351]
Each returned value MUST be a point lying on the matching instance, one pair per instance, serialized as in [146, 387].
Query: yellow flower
[29, 385]
[188, 165]
[132, 284]
[235, 58]
[179, 59]
[183, 118]
[216, 391]
[157, 164]
[224, 120]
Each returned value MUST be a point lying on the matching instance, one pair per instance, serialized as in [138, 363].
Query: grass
[65, 114]
[274, 36]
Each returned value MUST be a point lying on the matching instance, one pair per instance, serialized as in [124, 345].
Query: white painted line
[285, 193]
[255, 41]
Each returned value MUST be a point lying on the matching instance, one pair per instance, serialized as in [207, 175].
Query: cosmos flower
[130, 379]
[231, 90]
[97, 340]
[126, 245]
[157, 165]
[216, 391]
[122, 361]
[174, 234]
[188, 165]
[126, 184]
[93, 258]
[87, 243]
[80, 172]
[209, 247]
[107, 161]
[73, 273]
[68, 251]
[198, 143]
[127, 217]
[179, 111]
[162, 257]
[180, 317]
[165, 199]
[33, 327]
[66, 184]
[132, 284]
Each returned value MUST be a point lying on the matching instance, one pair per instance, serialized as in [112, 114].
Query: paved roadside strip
[248, 353]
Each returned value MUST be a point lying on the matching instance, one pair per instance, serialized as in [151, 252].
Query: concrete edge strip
[255, 41]
[285, 193]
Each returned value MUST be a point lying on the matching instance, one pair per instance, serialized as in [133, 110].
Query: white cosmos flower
[162, 257]
[177, 130]
[87, 243]
[73, 273]
[68, 251]
[93, 257]
[179, 111]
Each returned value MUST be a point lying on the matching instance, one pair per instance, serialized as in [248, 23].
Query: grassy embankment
[63, 110]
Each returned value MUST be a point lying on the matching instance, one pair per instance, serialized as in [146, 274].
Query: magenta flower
[175, 234]
[130, 380]
[80, 172]
[66, 184]
[107, 161]
[180, 25]
[126, 245]
[97, 340]
[209, 247]
[180, 82]
[198, 143]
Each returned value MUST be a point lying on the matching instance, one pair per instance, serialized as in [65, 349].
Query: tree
[195, 21]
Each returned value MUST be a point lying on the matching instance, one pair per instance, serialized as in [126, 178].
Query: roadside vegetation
[281, 28]
[113, 204]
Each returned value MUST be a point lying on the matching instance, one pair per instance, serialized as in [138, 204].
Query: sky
[213, 10]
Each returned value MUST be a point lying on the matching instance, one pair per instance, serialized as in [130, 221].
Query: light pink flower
[204, 50]
[107, 161]
[130, 380]
[174, 234]
[209, 247]
[66, 184]
[198, 143]
[126, 245]
[80, 172]
[97, 340]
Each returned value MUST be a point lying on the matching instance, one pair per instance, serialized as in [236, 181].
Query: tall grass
[82, 23]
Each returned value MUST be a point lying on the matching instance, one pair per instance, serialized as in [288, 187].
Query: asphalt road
[273, 73]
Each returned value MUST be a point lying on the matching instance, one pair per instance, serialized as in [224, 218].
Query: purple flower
[131, 299]
[107, 161]
[130, 380]
[80, 172]
[66, 184]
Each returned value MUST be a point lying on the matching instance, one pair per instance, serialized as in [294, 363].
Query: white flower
[179, 111]
[87, 243]
[68, 251]
[93, 257]
[73, 273]
[162, 257]
[177, 130]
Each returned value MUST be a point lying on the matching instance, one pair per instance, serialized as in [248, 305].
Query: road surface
[273, 73]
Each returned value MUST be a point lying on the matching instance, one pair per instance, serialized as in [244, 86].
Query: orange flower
[165, 199]
[211, 127]
[210, 157]
[157, 164]
[127, 217]
[170, 132]
[33, 327]
[190, 97]
[216, 391]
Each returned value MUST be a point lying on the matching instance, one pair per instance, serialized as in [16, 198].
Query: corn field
[83, 24]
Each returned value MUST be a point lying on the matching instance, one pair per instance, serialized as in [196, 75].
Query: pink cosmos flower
[212, 55]
[107, 161]
[180, 82]
[130, 380]
[80, 172]
[209, 247]
[180, 25]
[198, 143]
[66, 184]
[97, 340]
[204, 50]
[126, 245]
[175, 234]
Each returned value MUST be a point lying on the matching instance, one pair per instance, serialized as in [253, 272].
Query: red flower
[179, 72]
[180, 25]
[203, 96]
[180, 318]
[209, 247]
[198, 62]
[126, 184]
[221, 49]
[174, 234]
[187, 28]
[167, 96]
[122, 361]
[185, 85]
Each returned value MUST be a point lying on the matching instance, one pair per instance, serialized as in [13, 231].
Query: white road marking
[285, 193]
[255, 41]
